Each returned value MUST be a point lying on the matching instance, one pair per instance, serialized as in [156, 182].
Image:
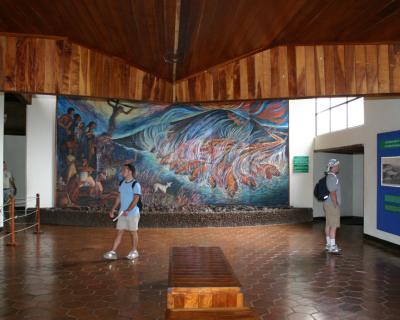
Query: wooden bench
[211, 314]
[202, 278]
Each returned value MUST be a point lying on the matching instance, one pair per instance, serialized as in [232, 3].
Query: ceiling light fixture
[172, 58]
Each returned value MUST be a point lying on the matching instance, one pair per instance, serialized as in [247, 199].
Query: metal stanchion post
[37, 231]
[12, 222]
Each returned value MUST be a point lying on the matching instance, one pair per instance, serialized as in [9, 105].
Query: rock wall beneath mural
[185, 155]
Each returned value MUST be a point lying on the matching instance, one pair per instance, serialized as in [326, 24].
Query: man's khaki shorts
[332, 215]
[128, 223]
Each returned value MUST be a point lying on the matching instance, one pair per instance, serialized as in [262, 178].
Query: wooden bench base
[202, 285]
[179, 298]
[212, 314]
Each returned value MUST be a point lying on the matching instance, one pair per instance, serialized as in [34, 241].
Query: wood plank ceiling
[211, 32]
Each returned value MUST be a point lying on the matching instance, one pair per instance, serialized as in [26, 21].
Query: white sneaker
[327, 247]
[132, 255]
[110, 255]
[334, 249]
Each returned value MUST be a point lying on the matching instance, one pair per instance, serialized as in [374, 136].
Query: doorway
[352, 180]
[15, 142]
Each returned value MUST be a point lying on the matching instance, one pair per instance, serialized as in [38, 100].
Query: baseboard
[97, 218]
[382, 244]
[345, 220]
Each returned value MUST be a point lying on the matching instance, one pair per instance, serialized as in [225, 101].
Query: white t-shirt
[7, 176]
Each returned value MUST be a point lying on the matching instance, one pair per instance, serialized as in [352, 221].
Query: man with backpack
[332, 205]
[129, 203]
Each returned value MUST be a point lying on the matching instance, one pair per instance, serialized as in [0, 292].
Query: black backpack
[139, 203]
[321, 191]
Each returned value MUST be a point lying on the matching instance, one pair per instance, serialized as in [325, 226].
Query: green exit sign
[300, 164]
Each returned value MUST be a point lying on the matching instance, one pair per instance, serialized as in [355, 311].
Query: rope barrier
[26, 213]
[9, 234]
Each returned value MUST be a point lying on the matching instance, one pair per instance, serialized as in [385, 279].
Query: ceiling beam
[176, 46]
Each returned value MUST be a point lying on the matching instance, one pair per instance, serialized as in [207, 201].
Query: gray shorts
[128, 223]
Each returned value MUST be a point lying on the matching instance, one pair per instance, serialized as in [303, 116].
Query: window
[334, 114]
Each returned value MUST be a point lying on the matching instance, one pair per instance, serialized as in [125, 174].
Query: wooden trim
[299, 72]
[61, 67]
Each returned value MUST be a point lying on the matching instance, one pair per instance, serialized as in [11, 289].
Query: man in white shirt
[127, 201]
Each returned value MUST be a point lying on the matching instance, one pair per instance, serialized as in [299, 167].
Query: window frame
[348, 100]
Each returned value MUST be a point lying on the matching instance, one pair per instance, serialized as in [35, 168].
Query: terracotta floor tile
[284, 271]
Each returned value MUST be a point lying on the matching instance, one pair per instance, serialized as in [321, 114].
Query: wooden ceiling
[211, 32]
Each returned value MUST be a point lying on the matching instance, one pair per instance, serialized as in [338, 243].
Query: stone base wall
[222, 217]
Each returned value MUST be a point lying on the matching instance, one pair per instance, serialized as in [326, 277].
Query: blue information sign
[388, 191]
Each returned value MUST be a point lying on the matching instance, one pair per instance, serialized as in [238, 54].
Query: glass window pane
[339, 118]
[323, 122]
[337, 101]
[356, 113]
[323, 104]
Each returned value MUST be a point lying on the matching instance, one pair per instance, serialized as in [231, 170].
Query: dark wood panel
[361, 72]
[310, 71]
[200, 267]
[140, 32]
[39, 65]
[349, 57]
[353, 149]
[300, 71]
[372, 68]
[229, 29]
[226, 314]
[2, 60]
[383, 69]
[303, 71]
[339, 61]
[343, 21]
[329, 65]
[319, 71]
[394, 67]
[235, 28]
[211, 32]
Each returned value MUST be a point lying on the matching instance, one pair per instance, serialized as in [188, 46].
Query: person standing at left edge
[129, 193]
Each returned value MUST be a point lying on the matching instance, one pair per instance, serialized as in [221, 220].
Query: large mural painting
[202, 154]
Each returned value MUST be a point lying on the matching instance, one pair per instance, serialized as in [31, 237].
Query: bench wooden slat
[201, 267]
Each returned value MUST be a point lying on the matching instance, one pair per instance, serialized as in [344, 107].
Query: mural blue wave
[199, 154]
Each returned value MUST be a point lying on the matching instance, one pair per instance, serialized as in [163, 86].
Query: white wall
[381, 115]
[40, 149]
[358, 185]
[15, 157]
[1, 152]
[346, 180]
[301, 143]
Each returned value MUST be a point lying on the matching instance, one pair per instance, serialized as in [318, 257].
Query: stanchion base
[11, 244]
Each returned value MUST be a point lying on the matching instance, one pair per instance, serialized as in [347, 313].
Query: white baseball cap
[332, 163]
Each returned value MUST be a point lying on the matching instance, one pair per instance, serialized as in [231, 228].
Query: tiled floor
[284, 271]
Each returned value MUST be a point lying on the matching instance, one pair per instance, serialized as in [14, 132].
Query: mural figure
[117, 108]
[185, 154]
